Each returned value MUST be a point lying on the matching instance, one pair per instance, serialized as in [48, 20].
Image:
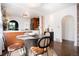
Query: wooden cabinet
[34, 23]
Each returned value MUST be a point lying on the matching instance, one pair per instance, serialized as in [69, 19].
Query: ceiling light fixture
[26, 15]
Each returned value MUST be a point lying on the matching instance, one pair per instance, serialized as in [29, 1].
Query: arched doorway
[68, 28]
[13, 25]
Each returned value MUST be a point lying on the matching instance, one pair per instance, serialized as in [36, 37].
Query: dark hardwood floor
[66, 48]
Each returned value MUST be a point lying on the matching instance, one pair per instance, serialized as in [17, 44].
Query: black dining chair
[42, 46]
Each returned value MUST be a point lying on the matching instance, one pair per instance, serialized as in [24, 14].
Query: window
[13, 25]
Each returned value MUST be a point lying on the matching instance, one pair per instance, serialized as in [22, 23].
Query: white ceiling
[31, 10]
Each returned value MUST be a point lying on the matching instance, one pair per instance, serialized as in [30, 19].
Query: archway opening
[68, 28]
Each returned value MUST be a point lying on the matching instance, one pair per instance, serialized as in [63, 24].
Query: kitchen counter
[26, 31]
[14, 31]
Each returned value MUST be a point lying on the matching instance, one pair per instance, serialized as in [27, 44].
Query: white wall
[23, 22]
[54, 20]
[1, 33]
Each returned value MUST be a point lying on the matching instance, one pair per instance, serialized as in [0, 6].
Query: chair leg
[47, 51]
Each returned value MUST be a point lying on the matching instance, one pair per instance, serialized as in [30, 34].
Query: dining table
[30, 40]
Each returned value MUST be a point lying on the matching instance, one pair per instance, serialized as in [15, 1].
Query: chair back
[10, 37]
[44, 42]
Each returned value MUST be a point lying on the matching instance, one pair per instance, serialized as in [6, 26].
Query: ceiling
[31, 9]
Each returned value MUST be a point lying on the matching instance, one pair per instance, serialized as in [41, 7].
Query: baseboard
[67, 40]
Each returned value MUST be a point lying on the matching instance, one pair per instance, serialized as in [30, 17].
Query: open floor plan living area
[39, 29]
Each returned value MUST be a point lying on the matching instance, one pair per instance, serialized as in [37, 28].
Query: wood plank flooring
[66, 48]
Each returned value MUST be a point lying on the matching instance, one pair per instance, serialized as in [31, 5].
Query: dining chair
[14, 47]
[42, 46]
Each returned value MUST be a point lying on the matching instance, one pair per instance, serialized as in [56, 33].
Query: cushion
[37, 50]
